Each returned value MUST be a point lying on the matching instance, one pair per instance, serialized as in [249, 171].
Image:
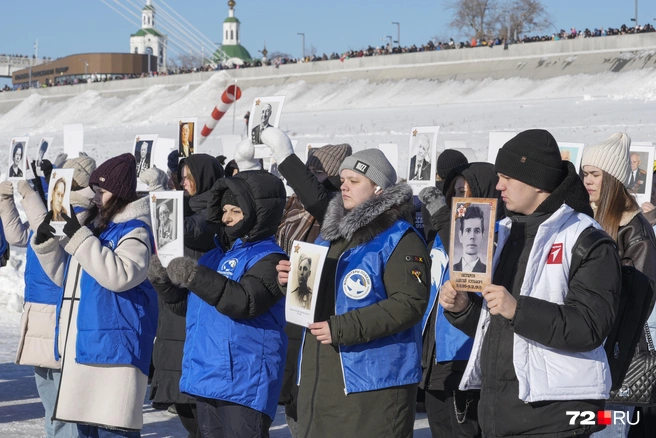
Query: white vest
[545, 373]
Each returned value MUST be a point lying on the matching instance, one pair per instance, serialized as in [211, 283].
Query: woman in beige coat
[108, 317]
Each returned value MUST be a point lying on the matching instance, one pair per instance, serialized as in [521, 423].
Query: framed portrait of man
[17, 165]
[144, 155]
[422, 153]
[471, 245]
[641, 173]
[307, 262]
[166, 215]
[59, 198]
[187, 136]
[265, 113]
[571, 152]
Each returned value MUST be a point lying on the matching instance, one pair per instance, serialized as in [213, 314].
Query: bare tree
[492, 18]
[473, 16]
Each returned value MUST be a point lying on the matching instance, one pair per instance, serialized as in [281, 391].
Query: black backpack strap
[588, 240]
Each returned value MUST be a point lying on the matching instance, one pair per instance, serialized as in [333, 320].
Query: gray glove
[278, 142]
[60, 160]
[156, 272]
[6, 190]
[24, 188]
[432, 198]
[182, 270]
[155, 179]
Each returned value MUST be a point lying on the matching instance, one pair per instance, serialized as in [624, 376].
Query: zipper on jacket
[338, 347]
[68, 331]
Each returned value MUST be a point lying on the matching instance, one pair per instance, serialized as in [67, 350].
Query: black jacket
[580, 324]
[323, 409]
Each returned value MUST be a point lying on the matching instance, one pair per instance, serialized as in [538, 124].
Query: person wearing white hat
[606, 170]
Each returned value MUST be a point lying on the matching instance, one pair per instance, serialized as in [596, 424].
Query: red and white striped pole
[229, 96]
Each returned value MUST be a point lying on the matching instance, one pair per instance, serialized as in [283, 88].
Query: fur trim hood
[370, 218]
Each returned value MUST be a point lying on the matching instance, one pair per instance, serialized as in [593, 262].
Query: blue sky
[68, 27]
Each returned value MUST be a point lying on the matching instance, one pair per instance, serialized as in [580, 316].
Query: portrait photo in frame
[18, 164]
[472, 243]
[307, 262]
[59, 198]
[187, 137]
[572, 152]
[641, 175]
[144, 155]
[166, 215]
[265, 113]
[422, 161]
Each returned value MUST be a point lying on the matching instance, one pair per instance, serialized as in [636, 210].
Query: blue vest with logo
[450, 343]
[116, 328]
[393, 360]
[236, 360]
[39, 288]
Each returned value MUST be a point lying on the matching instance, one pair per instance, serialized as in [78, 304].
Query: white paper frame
[644, 151]
[295, 313]
[73, 140]
[415, 134]
[163, 147]
[67, 175]
[277, 103]
[575, 149]
[24, 164]
[195, 136]
[151, 140]
[391, 151]
[168, 250]
[496, 140]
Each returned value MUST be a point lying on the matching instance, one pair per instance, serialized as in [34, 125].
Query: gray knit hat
[83, 168]
[611, 155]
[373, 164]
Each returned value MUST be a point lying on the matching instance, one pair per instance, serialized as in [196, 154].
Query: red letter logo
[604, 417]
[555, 255]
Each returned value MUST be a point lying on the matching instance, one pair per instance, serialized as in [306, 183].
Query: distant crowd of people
[388, 49]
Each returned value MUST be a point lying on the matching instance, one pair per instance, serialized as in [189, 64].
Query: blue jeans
[616, 430]
[47, 384]
[100, 432]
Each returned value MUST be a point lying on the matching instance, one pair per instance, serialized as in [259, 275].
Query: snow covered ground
[579, 108]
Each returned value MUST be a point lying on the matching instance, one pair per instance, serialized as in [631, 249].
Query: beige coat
[37, 327]
[106, 395]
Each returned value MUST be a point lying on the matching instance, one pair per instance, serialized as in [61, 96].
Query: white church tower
[148, 40]
[231, 38]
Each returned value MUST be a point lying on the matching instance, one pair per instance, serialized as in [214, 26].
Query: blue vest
[393, 360]
[3, 241]
[39, 288]
[450, 343]
[236, 360]
[116, 328]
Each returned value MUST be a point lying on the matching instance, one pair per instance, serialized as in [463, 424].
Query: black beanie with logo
[533, 158]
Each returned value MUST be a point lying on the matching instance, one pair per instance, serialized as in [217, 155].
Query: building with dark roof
[148, 40]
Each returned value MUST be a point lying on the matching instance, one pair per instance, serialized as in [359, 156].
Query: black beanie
[229, 198]
[448, 160]
[533, 158]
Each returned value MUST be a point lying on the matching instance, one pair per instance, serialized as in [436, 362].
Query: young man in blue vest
[538, 350]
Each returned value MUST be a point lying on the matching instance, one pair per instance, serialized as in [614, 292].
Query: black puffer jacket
[198, 239]
[580, 324]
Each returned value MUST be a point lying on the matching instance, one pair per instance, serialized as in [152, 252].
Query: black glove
[72, 224]
[45, 231]
[46, 168]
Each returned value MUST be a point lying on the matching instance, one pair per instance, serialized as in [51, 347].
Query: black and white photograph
[307, 263]
[265, 113]
[59, 198]
[641, 175]
[471, 246]
[422, 153]
[166, 214]
[16, 168]
[144, 155]
[187, 136]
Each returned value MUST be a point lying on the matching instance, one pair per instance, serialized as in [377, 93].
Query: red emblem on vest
[555, 255]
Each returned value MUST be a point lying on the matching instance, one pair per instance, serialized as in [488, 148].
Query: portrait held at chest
[471, 246]
[166, 214]
[307, 263]
[265, 113]
[187, 136]
[17, 159]
[639, 182]
[422, 150]
[59, 198]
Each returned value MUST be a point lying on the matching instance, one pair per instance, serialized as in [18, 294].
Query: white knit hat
[611, 156]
